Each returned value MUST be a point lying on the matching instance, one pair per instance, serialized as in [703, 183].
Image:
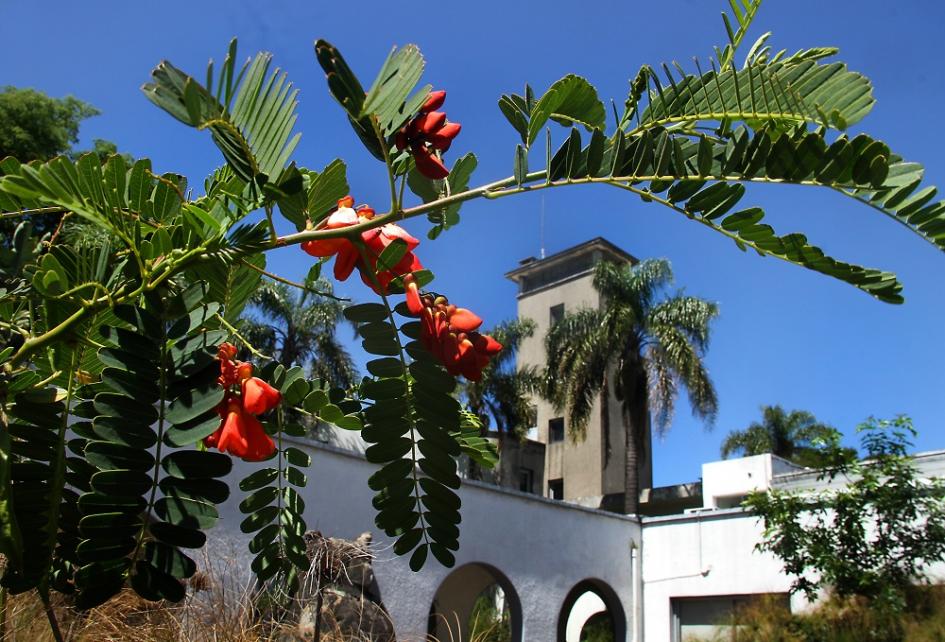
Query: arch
[605, 596]
[454, 599]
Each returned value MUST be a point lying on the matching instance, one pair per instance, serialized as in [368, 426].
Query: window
[556, 488]
[713, 617]
[556, 429]
[556, 313]
[526, 480]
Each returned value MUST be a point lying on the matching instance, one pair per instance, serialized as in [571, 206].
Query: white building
[675, 571]
[661, 578]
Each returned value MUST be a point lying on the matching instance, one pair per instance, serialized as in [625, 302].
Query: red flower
[241, 434]
[449, 333]
[427, 134]
[377, 241]
[347, 256]
[258, 396]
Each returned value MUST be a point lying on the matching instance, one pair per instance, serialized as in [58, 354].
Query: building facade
[588, 471]
[540, 543]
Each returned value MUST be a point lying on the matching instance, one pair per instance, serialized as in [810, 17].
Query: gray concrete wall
[543, 547]
[579, 464]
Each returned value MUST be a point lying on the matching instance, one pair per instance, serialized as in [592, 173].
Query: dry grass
[850, 620]
[218, 608]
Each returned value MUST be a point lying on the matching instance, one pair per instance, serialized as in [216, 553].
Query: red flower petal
[414, 304]
[259, 396]
[434, 101]
[463, 320]
[429, 165]
[441, 139]
[345, 262]
[431, 122]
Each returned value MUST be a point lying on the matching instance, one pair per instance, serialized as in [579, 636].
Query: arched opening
[476, 602]
[592, 612]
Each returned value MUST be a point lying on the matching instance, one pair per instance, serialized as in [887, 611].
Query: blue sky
[785, 335]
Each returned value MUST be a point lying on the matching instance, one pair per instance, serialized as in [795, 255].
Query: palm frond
[680, 357]
[579, 351]
[689, 314]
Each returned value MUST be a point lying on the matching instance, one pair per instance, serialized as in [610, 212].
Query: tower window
[556, 313]
[556, 429]
[556, 488]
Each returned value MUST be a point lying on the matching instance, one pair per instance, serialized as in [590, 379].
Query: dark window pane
[556, 488]
[556, 429]
[556, 313]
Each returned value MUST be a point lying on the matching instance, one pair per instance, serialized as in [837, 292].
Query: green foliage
[159, 389]
[433, 190]
[838, 620]
[414, 426]
[250, 114]
[273, 505]
[872, 536]
[34, 429]
[702, 178]
[796, 436]
[655, 343]
[34, 126]
[110, 328]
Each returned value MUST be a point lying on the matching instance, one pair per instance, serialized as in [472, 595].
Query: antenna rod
[541, 227]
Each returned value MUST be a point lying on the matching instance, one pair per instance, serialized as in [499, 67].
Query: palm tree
[299, 329]
[644, 344]
[502, 397]
[796, 436]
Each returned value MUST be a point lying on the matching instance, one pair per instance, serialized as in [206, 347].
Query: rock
[342, 573]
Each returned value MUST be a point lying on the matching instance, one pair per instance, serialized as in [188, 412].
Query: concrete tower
[589, 472]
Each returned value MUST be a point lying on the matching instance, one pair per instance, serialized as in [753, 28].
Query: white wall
[544, 547]
[732, 479]
[698, 555]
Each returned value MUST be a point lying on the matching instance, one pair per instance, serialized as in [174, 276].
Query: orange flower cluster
[240, 432]
[347, 256]
[450, 333]
[426, 134]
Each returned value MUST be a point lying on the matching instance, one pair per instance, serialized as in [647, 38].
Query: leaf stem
[51, 616]
[295, 284]
[249, 346]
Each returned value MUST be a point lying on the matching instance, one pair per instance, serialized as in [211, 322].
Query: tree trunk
[635, 409]
[631, 473]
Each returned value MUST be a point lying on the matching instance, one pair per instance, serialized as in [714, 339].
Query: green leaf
[347, 90]
[191, 464]
[231, 282]
[516, 111]
[571, 100]
[297, 457]
[419, 558]
[251, 124]
[189, 513]
[396, 79]
[366, 312]
[326, 189]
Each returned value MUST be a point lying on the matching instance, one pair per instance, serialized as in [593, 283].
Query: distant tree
[874, 535]
[299, 329]
[651, 344]
[34, 126]
[502, 399]
[796, 436]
